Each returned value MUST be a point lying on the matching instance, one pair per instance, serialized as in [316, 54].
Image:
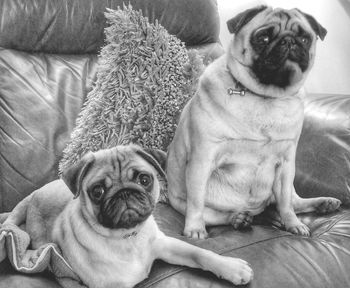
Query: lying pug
[108, 235]
[233, 153]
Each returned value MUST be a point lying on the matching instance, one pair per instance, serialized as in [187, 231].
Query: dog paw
[241, 220]
[196, 234]
[328, 205]
[237, 271]
[299, 229]
[196, 231]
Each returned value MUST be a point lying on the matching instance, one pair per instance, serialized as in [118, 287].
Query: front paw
[195, 229]
[328, 205]
[299, 229]
[236, 270]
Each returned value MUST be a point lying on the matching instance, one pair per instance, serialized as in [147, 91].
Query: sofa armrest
[323, 155]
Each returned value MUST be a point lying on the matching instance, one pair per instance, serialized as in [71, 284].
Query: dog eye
[96, 193]
[264, 39]
[305, 40]
[144, 179]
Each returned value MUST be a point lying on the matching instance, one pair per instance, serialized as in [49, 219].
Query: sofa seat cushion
[278, 258]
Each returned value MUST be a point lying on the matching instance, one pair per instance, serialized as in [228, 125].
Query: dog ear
[317, 27]
[157, 158]
[73, 176]
[236, 23]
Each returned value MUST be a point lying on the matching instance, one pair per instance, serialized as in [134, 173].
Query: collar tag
[129, 235]
[232, 91]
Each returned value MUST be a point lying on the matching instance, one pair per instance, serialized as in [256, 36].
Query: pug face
[273, 49]
[118, 187]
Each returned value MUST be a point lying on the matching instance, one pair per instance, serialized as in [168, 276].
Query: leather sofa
[48, 53]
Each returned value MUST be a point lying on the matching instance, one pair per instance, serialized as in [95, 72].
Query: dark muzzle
[125, 209]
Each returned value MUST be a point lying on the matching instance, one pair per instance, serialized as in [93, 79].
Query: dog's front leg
[198, 171]
[283, 191]
[178, 252]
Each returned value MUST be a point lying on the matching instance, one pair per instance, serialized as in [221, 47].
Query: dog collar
[239, 89]
[129, 235]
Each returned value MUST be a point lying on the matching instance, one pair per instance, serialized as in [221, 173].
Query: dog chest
[102, 261]
[120, 265]
[257, 118]
[249, 116]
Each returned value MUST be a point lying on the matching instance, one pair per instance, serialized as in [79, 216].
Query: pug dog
[108, 235]
[233, 153]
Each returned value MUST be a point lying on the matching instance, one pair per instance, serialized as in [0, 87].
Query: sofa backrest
[76, 26]
[48, 53]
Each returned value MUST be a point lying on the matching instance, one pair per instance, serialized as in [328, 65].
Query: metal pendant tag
[231, 91]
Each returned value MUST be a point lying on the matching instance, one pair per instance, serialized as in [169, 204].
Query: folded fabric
[15, 245]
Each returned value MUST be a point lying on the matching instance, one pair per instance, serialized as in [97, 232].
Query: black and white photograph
[174, 143]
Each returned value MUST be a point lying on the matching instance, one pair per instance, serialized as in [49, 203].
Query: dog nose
[124, 193]
[288, 41]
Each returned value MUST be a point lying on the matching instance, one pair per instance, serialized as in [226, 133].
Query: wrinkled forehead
[284, 15]
[282, 20]
[116, 163]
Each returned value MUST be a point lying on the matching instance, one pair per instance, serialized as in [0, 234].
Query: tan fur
[234, 155]
[104, 257]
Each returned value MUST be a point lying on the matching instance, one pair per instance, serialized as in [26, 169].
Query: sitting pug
[108, 236]
[234, 150]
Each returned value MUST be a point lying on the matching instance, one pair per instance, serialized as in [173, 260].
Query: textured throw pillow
[145, 77]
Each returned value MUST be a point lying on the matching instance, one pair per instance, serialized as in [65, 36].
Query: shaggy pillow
[145, 77]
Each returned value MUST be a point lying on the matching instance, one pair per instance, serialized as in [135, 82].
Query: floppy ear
[236, 23]
[73, 176]
[156, 157]
[317, 27]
